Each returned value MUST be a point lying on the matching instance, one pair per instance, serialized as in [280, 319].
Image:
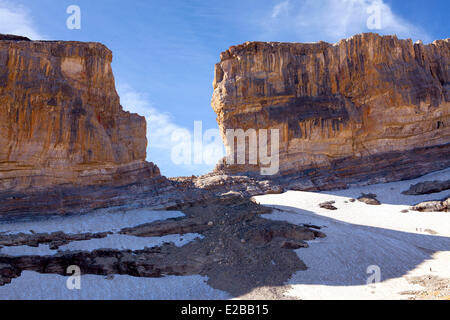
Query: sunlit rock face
[61, 121]
[368, 108]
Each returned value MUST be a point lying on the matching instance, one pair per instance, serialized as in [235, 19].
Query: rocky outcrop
[238, 249]
[427, 187]
[367, 109]
[370, 199]
[433, 206]
[61, 122]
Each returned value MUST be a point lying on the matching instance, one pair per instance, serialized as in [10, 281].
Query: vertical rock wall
[340, 107]
[61, 121]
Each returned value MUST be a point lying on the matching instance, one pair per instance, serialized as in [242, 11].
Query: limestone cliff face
[61, 121]
[339, 106]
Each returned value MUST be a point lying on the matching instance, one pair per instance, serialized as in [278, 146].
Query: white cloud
[159, 125]
[15, 19]
[161, 128]
[332, 20]
[280, 8]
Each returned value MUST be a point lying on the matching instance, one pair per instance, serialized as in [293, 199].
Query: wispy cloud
[332, 20]
[161, 127]
[16, 19]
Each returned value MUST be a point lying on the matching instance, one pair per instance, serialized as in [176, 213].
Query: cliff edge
[369, 108]
[61, 121]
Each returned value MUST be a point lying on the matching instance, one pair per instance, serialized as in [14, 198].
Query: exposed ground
[234, 243]
[410, 248]
[235, 248]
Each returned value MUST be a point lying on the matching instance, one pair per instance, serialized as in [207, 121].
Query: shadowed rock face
[341, 105]
[427, 187]
[61, 121]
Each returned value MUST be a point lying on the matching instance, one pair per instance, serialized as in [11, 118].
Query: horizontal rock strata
[433, 206]
[61, 122]
[427, 187]
[367, 109]
[238, 252]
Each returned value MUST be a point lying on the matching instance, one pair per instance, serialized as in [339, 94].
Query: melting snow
[98, 221]
[360, 236]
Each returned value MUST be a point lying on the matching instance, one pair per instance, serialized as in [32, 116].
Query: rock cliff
[369, 108]
[66, 145]
[61, 121]
[365, 110]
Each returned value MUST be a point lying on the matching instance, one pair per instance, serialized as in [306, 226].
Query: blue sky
[165, 51]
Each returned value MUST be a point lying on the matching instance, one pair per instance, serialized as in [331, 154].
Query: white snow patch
[391, 193]
[36, 286]
[361, 235]
[114, 241]
[18, 251]
[98, 221]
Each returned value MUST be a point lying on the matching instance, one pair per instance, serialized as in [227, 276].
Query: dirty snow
[114, 241]
[32, 285]
[102, 220]
[361, 236]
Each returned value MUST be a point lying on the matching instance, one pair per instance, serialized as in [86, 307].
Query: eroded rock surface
[370, 199]
[434, 288]
[61, 122]
[367, 109]
[433, 206]
[54, 239]
[239, 251]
